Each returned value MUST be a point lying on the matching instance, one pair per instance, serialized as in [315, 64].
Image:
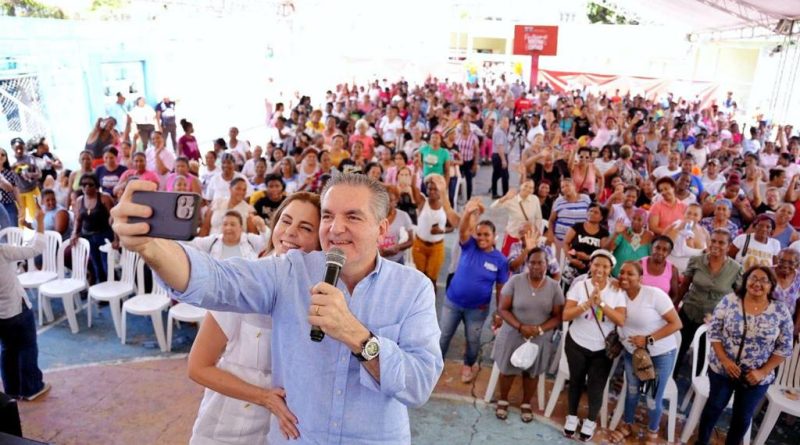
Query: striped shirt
[569, 213]
[466, 146]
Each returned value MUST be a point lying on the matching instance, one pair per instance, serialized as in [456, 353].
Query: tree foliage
[30, 8]
[599, 13]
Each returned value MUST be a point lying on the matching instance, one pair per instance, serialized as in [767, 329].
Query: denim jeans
[452, 316]
[466, 173]
[98, 259]
[13, 214]
[5, 220]
[745, 401]
[19, 355]
[663, 365]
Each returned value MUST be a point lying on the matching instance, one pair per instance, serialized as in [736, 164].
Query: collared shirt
[519, 212]
[707, 288]
[334, 397]
[466, 146]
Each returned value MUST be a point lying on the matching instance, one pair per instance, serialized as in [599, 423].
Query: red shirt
[521, 105]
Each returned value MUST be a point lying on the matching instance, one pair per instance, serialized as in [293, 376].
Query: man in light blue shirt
[380, 354]
[119, 111]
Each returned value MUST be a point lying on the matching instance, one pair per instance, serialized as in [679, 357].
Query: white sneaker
[587, 430]
[41, 392]
[570, 425]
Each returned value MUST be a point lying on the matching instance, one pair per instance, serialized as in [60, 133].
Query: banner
[532, 40]
[648, 87]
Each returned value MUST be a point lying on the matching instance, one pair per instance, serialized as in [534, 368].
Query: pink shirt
[667, 214]
[147, 175]
[662, 281]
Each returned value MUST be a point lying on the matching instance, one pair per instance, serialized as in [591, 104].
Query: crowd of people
[641, 216]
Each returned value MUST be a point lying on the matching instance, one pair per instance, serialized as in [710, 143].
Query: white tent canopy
[712, 15]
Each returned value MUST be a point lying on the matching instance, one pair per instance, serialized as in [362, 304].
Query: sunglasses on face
[88, 184]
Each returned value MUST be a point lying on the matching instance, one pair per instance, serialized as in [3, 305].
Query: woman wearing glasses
[93, 222]
[585, 174]
[750, 335]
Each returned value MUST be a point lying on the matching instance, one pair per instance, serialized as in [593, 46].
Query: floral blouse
[789, 295]
[767, 333]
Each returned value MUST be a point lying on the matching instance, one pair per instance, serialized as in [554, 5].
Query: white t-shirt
[167, 157]
[604, 166]
[391, 129]
[700, 155]
[713, 186]
[241, 147]
[584, 329]
[664, 170]
[758, 253]
[645, 315]
[220, 188]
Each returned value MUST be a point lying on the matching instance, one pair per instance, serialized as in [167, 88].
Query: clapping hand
[474, 206]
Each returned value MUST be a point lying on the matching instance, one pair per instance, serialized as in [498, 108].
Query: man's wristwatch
[369, 349]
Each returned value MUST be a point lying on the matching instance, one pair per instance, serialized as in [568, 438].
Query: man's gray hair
[380, 197]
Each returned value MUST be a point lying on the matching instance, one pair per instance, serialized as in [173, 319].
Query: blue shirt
[695, 186]
[333, 396]
[477, 271]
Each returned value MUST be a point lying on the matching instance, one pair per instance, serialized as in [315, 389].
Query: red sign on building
[535, 40]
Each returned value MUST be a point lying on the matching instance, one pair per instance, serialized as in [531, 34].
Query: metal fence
[22, 110]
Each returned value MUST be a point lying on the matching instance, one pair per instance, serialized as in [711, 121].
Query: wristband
[541, 331]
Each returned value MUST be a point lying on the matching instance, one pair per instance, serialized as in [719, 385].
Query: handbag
[612, 344]
[525, 355]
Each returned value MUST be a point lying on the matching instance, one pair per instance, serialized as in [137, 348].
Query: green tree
[30, 8]
[599, 13]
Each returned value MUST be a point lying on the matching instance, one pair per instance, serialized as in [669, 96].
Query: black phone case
[176, 215]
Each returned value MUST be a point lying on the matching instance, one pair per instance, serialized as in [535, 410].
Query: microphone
[334, 261]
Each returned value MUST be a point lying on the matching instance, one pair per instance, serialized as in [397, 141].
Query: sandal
[652, 438]
[527, 412]
[620, 434]
[501, 412]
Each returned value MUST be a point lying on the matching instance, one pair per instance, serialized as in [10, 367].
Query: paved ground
[109, 393]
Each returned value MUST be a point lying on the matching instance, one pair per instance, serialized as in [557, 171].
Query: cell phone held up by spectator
[176, 216]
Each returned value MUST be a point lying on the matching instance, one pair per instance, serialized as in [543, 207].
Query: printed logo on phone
[184, 208]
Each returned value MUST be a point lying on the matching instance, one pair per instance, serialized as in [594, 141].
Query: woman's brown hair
[311, 198]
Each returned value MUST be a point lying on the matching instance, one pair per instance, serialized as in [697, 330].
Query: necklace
[535, 286]
[636, 239]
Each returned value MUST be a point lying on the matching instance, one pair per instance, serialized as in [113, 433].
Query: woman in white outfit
[689, 236]
[231, 354]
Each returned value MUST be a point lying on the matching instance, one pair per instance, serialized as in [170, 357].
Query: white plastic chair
[700, 388]
[152, 304]
[34, 277]
[183, 312]
[12, 236]
[68, 289]
[788, 378]
[670, 395]
[114, 291]
[563, 375]
[496, 376]
[461, 192]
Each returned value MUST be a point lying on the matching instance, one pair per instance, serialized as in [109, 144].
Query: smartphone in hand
[176, 215]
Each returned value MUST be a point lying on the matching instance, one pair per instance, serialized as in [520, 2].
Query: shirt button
[335, 425]
[338, 392]
[344, 359]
